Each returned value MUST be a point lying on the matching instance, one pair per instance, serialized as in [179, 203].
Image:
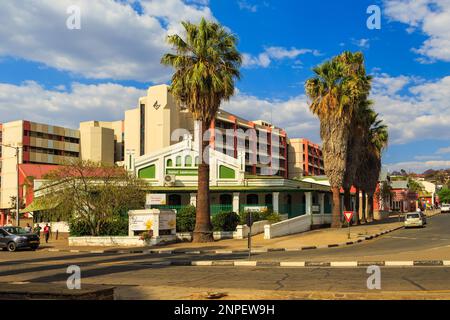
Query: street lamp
[17, 148]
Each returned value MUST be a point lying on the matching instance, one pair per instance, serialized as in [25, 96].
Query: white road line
[201, 263]
[446, 262]
[398, 263]
[245, 263]
[292, 264]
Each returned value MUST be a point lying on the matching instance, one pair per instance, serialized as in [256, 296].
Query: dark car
[12, 238]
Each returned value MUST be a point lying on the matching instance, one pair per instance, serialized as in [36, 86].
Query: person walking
[37, 230]
[47, 231]
[28, 228]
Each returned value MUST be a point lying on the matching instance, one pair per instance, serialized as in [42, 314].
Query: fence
[214, 208]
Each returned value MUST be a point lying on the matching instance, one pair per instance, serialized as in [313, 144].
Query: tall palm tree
[206, 67]
[378, 141]
[333, 92]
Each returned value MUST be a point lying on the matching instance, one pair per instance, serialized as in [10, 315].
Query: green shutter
[226, 173]
[148, 173]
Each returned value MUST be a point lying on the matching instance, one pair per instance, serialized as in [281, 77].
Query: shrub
[186, 219]
[268, 215]
[225, 221]
[116, 227]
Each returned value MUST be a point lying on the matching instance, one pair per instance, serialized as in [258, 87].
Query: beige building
[102, 141]
[305, 159]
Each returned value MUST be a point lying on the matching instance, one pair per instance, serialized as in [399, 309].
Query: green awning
[38, 206]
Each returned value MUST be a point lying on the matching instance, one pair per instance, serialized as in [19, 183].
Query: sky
[58, 75]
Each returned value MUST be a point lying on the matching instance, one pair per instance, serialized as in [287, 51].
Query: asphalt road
[135, 269]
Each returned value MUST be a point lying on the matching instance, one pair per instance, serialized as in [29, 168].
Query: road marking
[344, 264]
[446, 262]
[202, 263]
[292, 264]
[224, 251]
[245, 263]
[398, 263]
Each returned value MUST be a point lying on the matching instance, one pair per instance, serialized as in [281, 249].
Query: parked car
[13, 238]
[445, 207]
[414, 220]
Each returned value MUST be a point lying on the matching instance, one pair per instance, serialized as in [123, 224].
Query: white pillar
[322, 202]
[308, 204]
[276, 202]
[236, 202]
[193, 199]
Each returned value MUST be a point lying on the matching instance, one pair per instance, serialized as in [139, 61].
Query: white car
[445, 207]
[414, 220]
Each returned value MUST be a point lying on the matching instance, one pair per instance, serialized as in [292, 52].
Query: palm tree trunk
[203, 227]
[364, 220]
[357, 222]
[336, 216]
[370, 205]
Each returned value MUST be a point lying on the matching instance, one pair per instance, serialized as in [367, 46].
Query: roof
[38, 171]
[399, 184]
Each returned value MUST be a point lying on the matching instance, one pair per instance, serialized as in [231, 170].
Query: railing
[214, 208]
[292, 210]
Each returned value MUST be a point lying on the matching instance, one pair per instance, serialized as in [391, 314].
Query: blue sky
[51, 74]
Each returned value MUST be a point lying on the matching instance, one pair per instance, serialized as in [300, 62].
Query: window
[178, 161]
[252, 199]
[169, 163]
[188, 161]
[142, 132]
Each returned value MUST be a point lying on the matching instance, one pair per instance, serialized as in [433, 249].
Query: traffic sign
[348, 215]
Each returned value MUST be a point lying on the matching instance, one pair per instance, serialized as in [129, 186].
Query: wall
[291, 226]
[97, 143]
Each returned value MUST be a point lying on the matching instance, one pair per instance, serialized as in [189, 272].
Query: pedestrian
[37, 230]
[28, 228]
[47, 231]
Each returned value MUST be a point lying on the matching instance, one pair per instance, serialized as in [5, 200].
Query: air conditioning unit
[169, 180]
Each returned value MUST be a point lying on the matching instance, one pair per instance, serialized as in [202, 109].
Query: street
[130, 272]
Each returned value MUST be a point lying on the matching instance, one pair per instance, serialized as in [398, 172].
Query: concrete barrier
[291, 226]
[257, 228]
[107, 241]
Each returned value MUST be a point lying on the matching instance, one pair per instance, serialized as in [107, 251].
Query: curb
[303, 264]
[225, 251]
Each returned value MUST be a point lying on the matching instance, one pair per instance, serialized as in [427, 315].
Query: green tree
[336, 91]
[93, 194]
[444, 195]
[206, 66]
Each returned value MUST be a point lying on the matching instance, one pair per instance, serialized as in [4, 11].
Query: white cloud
[443, 150]
[418, 166]
[245, 5]
[270, 54]
[420, 113]
[114, 41]
[362, 43]
[432, 17]
[31, 101]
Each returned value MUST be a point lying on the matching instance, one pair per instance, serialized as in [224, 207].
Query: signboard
[140, 222]
[182, 172]
[348, 215]
[156, 199]
[316, 208]
[256, 209]
[152, 219]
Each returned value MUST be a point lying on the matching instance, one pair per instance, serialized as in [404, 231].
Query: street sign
[348, 215]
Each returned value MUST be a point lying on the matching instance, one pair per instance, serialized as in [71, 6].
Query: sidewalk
[315, 238]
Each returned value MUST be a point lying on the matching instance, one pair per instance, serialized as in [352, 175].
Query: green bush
[268, 215]
[186, 219]
[117, 227]
[225, 221]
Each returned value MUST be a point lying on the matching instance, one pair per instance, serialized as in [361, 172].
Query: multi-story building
[160, 122]
[305, 159]
[39, 144]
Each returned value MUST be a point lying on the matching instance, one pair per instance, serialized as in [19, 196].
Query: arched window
[226, 199]
[196, 161]
[169, 163]
[188, 161]
[252, 199]
[178, 161]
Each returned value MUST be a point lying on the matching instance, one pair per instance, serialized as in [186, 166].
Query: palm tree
[334, 92]
[206, 67]
[378, 141]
